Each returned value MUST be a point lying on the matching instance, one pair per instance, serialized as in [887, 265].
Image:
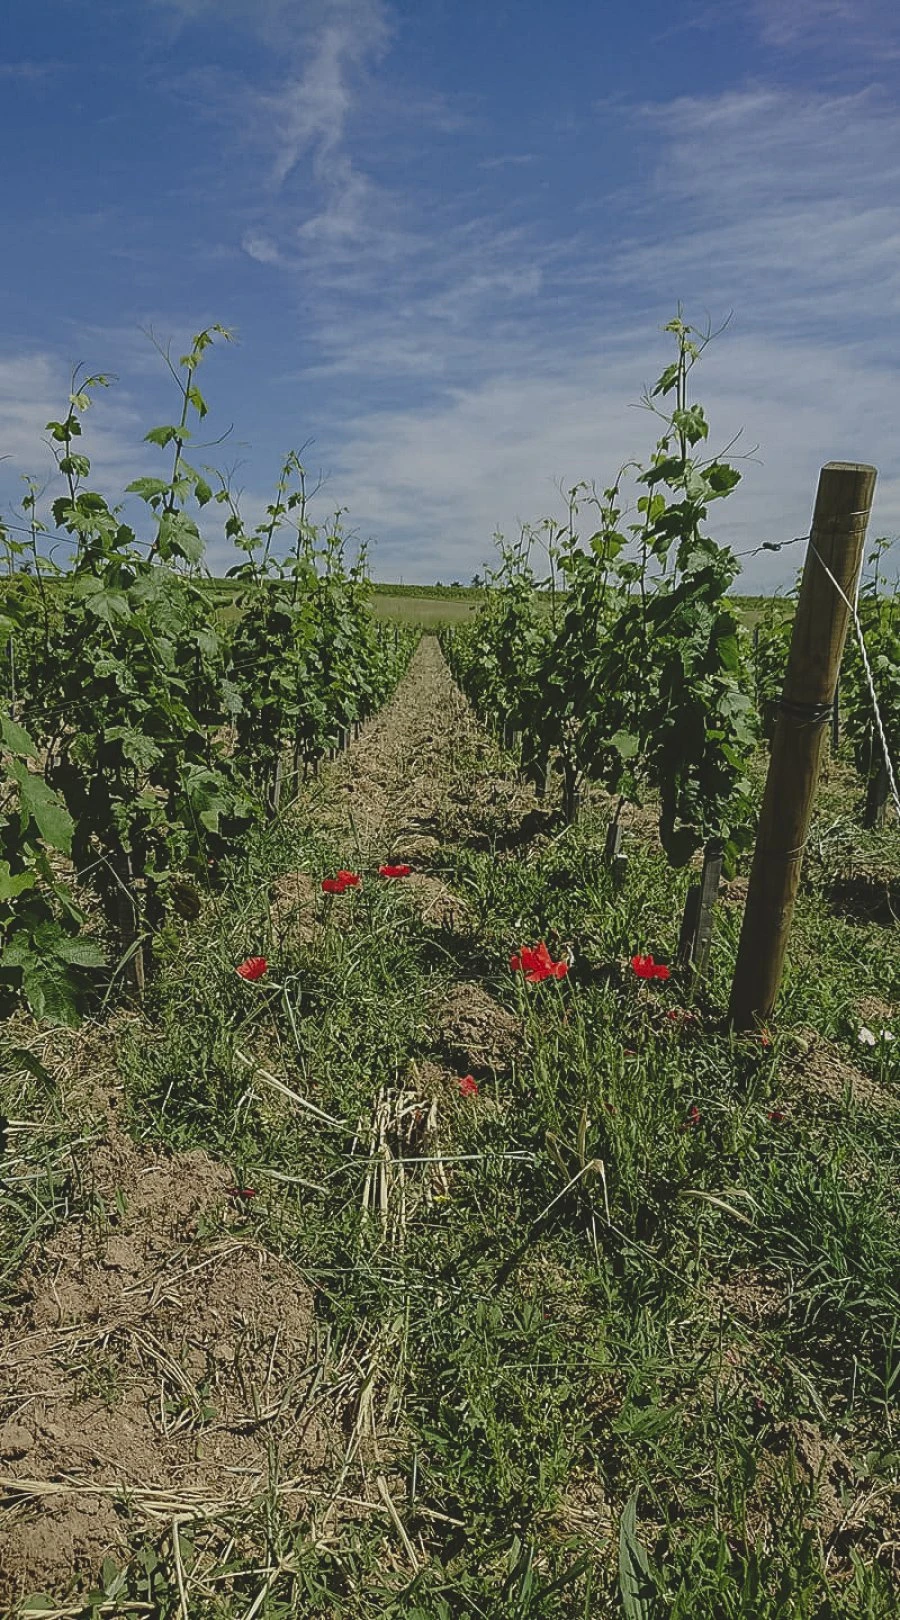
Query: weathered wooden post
[877, 794]
[697, 921]
[613, 844]
[843, 503]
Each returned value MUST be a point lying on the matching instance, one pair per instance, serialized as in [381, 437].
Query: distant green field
[430, 606]
[427, 606]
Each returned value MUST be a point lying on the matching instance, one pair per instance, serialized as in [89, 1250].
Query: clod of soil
[416, 849]
[819, 1462]
[752, 1297]
[155, 1355]
[293, 902]
[824, 1072]
[437, 904]
[477, 1033]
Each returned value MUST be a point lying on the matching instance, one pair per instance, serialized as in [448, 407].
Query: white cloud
[439, 482]
[260, 247]
[852, 33]
[26, 72]
[839, 26]
[780, 205]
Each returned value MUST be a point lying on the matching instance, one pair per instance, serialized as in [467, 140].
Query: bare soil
[420, 773]
[153, 1356]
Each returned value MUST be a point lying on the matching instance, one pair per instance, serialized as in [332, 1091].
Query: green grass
[425, 611]
[612, 1356]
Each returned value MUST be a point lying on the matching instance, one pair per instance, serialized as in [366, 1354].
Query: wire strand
[860, 641]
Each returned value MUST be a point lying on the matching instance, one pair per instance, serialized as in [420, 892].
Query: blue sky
[447, 234]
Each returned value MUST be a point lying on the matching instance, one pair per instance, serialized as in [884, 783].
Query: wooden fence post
[843, 503]
[877, 794]
[697, 922]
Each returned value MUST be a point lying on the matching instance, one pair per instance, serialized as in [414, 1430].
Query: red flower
[776, 1115]
[646, 968]
[253, 968]
[536, 963]
[468, 1086]
[394, 871]
[340, 883]
[241, 1192]
[693, 1118]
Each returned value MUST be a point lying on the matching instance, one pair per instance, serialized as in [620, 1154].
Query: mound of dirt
[438, 906]
[294, 899]
[154, 1355]
[824, 1072]
[477, 1033]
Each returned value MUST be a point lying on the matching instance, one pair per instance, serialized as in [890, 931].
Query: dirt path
[420, 772]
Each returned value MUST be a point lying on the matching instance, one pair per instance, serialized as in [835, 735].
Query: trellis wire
[860, 641]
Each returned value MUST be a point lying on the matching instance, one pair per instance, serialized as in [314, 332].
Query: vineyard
[393, 1221]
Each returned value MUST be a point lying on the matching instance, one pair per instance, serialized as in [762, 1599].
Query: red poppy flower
[241, 1192]
[468, 1086]
[646, 968]
[537, 964]
[776, 1115]
[693, 1118]
[340, 883]
[394, 871]
[253, 968]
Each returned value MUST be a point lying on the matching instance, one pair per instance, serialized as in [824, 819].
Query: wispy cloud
[851, 33]
[507, 160]
[30, 72]
[839, 26]
[260, 247]
[790, 207]
[789, 218]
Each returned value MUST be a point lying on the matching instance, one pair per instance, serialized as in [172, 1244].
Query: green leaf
[75, 465]
[16, 738]
[84, 953]
[692, 423]
[626, 744]
[721, 478]
[14, 883]
[197, 400]
[179, 536]
[141, 750]
[149, 489]
[635, 1582]
[50, 994]
[53, 819]
[165, 434]
[667, 381]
